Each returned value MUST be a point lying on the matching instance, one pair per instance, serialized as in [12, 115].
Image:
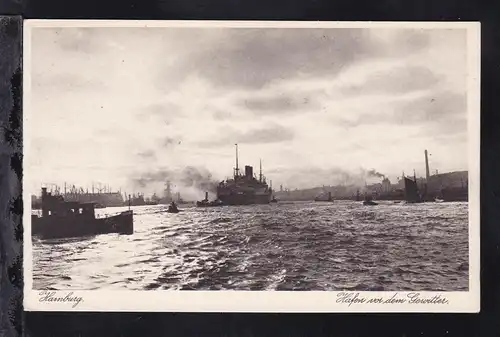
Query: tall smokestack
[236, 170]
[260, 174]
[427, 174]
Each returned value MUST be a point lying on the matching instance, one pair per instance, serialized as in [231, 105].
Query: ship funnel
[206, 196]
[248, 171]
[427, 174]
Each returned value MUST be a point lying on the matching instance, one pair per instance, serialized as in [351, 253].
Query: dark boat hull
[209, 204]
[173, 210]
[53, 227]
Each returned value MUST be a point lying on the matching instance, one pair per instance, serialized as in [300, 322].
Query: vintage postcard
[251, 166]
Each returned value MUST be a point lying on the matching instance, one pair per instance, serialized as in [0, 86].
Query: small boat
[274, 200]
[172, 208]
[206, 203]
[438, 200]
[369, 202]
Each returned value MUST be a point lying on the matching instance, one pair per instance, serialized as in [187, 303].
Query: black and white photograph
[164, 159]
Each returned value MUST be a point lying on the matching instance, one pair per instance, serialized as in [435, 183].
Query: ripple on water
[292, 246]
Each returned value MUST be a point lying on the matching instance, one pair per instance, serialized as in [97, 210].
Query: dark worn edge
[11, 230]
[151, 324]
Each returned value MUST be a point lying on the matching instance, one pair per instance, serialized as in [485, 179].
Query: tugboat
[66, 219]
[369, 202]
[206, 203]
[172, 208]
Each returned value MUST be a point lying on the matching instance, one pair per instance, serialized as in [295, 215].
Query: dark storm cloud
[253, 58]
[436, 112]
[266, 135]
[395, 81]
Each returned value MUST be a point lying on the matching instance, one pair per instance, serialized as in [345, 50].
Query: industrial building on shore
[452, 186]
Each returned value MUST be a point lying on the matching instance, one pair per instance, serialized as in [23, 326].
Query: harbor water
[285, 246]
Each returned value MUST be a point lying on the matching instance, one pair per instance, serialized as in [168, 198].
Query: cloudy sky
[118, 105]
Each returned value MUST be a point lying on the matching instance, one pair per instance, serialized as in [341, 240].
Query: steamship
[242, 189]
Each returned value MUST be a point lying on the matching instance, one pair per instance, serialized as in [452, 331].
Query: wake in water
[286, 246]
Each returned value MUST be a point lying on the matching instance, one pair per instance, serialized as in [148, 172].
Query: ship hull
[244, 199]
[54, 227]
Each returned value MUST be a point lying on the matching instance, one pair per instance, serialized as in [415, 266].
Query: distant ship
[241, 189]
[102, 198]
[65, 219]
[139, 200]
[412, 194]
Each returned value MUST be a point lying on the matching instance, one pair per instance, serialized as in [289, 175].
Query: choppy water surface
[285, 246]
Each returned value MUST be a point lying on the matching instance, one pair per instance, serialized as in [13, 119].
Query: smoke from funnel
[192, 182]
[373, 173]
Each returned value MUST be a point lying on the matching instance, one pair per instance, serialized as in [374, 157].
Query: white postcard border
[265, 301]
